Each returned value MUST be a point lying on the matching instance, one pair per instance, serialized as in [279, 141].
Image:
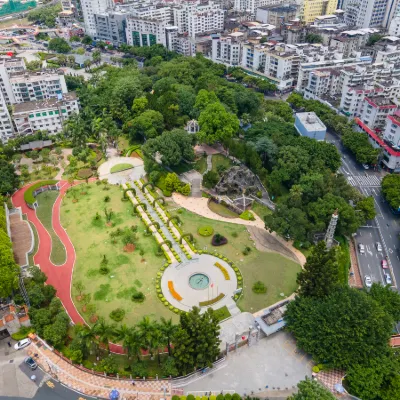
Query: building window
[38, 114]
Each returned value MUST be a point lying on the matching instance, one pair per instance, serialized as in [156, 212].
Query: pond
[199, 281]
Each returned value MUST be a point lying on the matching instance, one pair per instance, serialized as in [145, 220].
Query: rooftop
[280, 8]
[310, 121]
[380, 101]
[43, 104]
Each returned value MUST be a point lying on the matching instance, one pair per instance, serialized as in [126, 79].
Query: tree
[391, 190]
[311, 390]
[388, 299]
[139, 106]
[367, 208]
[79, 287]
[210, 179]
[149, 124]
[87, 39]
[56, 333]
[314, 38]
[59, 45]
[8, 178]
[373, 38]
[46, 15]
[345, 328]
[104, 331]
[109, 365]
[40, 318]
[168, 329]
[320, 276]
[216, 124]
[196, 342]
[173, 147]
[147, 331]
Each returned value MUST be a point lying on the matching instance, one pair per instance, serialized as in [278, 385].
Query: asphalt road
[385, 228]
[52, 390]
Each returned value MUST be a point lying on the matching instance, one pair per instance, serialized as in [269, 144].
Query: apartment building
[145, 31]
[6, 127]
[110, 27]
[370, 13]
[276, 14]
[250, 6]
[89, 9]
[32, 86]
[196, 18]
[349, 42]
[375, 111]
[46, 115]
[389, 141]
[227, 49]
[7, 67]
[310, 9]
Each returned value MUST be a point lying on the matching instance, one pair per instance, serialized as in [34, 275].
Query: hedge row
[221, 396]
[28, 195]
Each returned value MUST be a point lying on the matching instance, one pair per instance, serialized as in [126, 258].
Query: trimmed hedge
[205, 231]
[28, 195]
[247, 216]
[212, 301]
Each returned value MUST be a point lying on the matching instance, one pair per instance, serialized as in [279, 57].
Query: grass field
[219, 159]
[35, 238]
[15, 21]
[261, 210]
[44, 213]
[129, 272]
[120, 167]
[276, 272]
[222, 210]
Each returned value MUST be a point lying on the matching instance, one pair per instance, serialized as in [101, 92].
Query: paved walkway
[124, 176]
[209, 164]
[92, 384]
[199, 206]
[58, 276]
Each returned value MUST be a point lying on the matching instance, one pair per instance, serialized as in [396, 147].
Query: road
[384, 228]
[52, 390]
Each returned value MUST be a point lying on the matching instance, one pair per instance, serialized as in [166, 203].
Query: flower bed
[223, 270]
[205, 231]
[174, 293]
[212, 301]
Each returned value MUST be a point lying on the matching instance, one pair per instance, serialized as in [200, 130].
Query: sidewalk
[95, 385]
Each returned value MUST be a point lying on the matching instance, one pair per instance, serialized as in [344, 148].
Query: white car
[22, 343]
[378, 246]
[388, 279]
[368, 281]
[361, 248]
[366, 166]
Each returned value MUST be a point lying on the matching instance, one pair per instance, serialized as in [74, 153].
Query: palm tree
[88, 337]
[168, 329]
[133, 344]
[104, 331]
[158, 340]
[146, 331]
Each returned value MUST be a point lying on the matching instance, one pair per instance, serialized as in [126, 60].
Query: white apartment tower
[89, 9]
[370, 13]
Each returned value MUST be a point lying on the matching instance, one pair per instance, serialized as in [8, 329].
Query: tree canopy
[391, 190]
[59, 45]
[311, 390]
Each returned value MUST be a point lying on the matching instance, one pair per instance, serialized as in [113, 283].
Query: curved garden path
[200, 206]
[58, 276]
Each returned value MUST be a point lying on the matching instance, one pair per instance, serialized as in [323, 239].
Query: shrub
[259, 287]
[84, 173]
[140, 369]
[212, 397]
[236, 397]
[247, 215]
[246, 250]
[175, 397]
[28, 195]
[183, 398]
[228, 396]
[138, 297]
[104, 270]
[235, 235]
[259, 194]
[220, 397]
[23, 332]
[107, 199]
[117, 315]
[315, 369]
[205, 230]
[219, 240]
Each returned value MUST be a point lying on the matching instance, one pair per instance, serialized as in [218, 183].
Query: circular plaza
[109, 170]
[205, 281]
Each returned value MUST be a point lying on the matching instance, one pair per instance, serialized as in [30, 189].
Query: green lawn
[120, 167]
[276, 272]
[35, 245]
[219, 159]
[44, 213]
[129, 272]
[260, 210]
[222, 210]
[201, 165]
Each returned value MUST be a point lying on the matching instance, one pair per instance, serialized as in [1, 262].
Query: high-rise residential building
[370, 13]
[6, 127]
[196, 18]
[89, 9]
[310, 9]
[227, 49]
[250, 6]
[110, 27]
[143, 32]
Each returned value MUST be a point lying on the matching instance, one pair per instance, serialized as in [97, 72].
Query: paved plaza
[124, 176]
[274, 362]
[199, 280]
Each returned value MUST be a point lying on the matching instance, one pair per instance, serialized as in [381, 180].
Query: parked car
[365, 166]
[388, 279]
[22, 343]
[368, 281]
[361, 248]
[30, 362]
[384, 264]
[378, 246]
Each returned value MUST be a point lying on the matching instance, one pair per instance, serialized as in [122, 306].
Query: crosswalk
[361, 180]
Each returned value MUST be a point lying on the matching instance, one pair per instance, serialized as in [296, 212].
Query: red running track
[59, 276]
